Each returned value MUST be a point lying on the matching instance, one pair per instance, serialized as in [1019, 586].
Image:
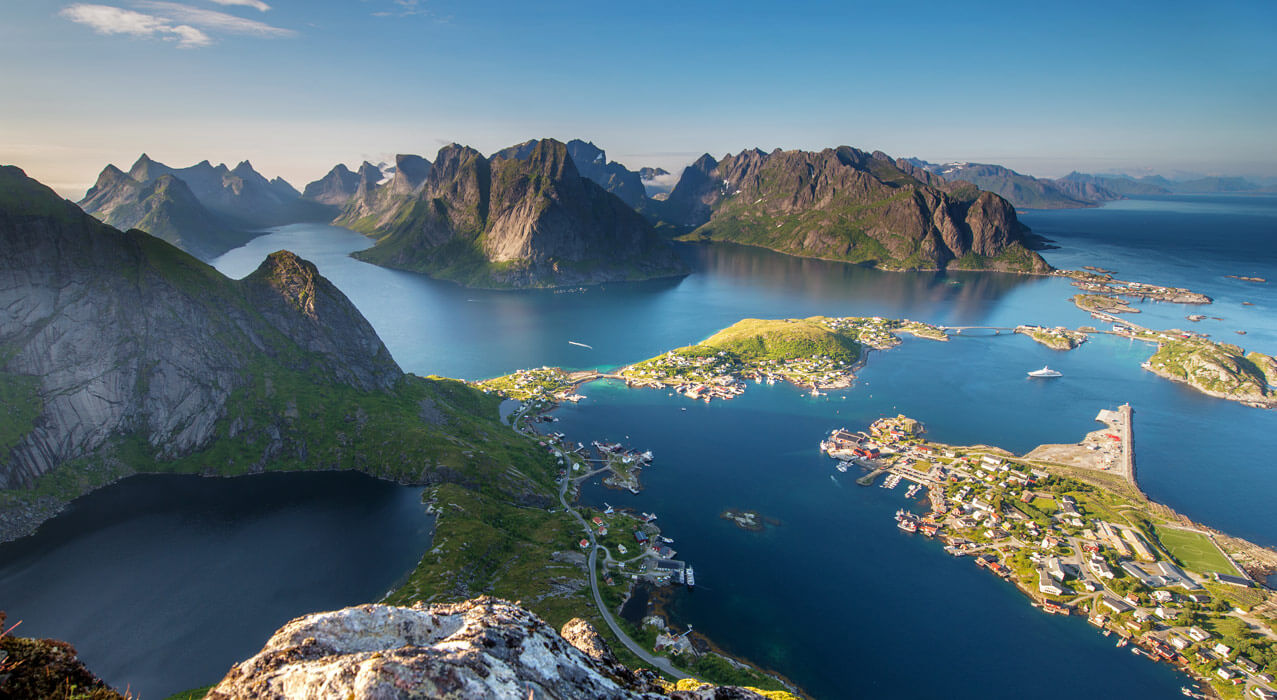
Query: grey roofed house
[1232, 580]
[1176, 576]
[1046, 584]
[1117, 605]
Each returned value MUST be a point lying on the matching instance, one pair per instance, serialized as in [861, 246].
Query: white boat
[689, 577]
[1045, 372]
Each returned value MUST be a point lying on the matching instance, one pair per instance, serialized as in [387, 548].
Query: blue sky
[298, 85]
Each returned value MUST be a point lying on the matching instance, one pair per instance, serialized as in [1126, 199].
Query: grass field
[1195, 551]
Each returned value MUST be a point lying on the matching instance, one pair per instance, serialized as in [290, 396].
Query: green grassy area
[1194, 551]
[484, 545]
[754, 340]
[20, 405]
[1217, 367]
[192, 694]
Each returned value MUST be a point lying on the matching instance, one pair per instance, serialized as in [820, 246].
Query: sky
[296, 86]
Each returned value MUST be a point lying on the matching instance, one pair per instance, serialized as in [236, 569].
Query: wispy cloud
[189, 27]
[212, 20]
[404, 8]
[105, 19]
[255, 4]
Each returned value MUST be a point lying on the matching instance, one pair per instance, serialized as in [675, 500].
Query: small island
[1058, 338]
[1218, 369]
[1104, 304]
[816, 353]
[749, 520]
[1095, 283]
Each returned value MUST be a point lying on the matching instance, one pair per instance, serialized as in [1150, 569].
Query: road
[656, 661]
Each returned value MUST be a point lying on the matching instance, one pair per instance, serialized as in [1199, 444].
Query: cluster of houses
[1018, 523]
[881, 333]
[547, 384]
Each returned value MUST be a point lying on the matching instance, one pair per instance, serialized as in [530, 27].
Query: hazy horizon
[296, 87]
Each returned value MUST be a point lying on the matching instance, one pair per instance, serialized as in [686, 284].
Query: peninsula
[1069, 527]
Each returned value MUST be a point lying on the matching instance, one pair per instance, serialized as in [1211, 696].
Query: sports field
[1194, 550]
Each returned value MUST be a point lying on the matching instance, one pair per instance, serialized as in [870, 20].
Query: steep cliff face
[129, 335]
[376, 205]
[524, 218]
[591, 161]
[481, 648]
[335, 188]
[846, 204]
[121, 354]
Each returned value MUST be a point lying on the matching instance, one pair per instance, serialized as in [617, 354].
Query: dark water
[163, 582]
[836, 597]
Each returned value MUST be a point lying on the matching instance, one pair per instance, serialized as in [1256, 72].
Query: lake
[161, 582]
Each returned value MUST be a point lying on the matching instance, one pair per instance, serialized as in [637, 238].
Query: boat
[649, 517]
[841, 466]
[1044, 373]
[907, 524]
[667, 540]
[1121, 642]
[689, 577]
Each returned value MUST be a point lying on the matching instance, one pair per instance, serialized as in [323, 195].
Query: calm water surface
[163, 582]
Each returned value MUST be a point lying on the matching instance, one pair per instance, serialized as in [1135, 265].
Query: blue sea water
[837, 586]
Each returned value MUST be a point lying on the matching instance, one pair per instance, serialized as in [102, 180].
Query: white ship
[1044, 373]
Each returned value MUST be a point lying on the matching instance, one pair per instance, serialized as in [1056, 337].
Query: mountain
[523, 218]
[120, 353]
[1117, 184]
[335, 189]
[242, 197]
[1023, 191]
[1207, 185]
[165, 208]
[591, 161]
[376, 204]
[845, 204]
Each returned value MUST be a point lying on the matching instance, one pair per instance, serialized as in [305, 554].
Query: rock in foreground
[481, 648]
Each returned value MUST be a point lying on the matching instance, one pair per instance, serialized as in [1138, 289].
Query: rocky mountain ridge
[214, 209]
[122, 354]
[1024, 191]
[480, 648]
[525, 217]
[846, 204]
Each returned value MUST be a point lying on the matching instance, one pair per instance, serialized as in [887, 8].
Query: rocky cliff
[481, 648]
[591, 161]
[340, 184]
[845, 204]
[120, 353]
[524, 218]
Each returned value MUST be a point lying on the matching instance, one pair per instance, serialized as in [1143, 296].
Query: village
[1166, 590]
[703, 372]
[1103, 284]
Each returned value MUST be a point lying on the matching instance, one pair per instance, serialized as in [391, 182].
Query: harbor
[1073, 548]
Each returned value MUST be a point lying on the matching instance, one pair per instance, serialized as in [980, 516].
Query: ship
[1044, 373]
[689, 577]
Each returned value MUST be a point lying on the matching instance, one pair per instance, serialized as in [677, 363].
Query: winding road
[656, 661]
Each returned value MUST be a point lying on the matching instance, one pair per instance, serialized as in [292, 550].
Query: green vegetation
[1193, 550]
[1216, 368]
[193, 694]
[484, 545]
[718, 670]
[544, 384]
[1103, 304]
[20, 405]
[753, 340]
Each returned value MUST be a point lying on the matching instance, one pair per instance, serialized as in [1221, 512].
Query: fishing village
[1068, 526]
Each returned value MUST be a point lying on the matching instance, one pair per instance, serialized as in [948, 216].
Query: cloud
[255, 4]
[406, 8]
[105, 19]
[211, 20]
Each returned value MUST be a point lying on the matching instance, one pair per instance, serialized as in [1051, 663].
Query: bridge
[958, 329]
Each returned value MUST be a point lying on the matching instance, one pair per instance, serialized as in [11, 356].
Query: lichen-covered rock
[477, 649]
